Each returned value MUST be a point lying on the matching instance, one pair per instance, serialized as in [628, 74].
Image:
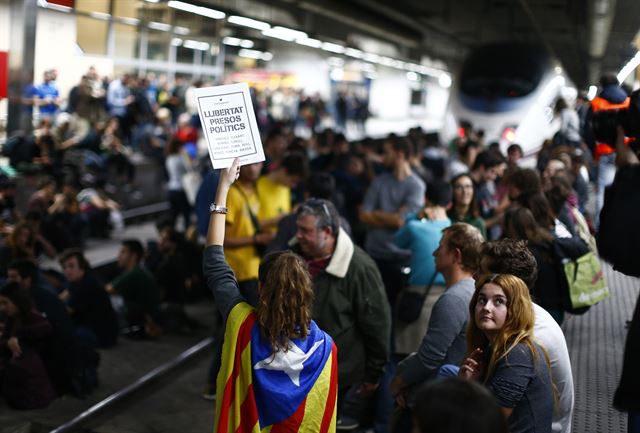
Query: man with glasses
[350, 304]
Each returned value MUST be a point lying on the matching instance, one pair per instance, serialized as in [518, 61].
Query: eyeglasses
[316, 203]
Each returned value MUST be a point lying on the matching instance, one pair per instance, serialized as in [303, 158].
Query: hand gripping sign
[229, 124]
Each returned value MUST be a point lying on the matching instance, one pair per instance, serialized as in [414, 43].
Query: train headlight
[509, 134]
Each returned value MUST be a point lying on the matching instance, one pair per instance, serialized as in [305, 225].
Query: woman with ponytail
[504, 355]
[278, 368]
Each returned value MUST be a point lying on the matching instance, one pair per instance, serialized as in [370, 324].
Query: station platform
[596, 345]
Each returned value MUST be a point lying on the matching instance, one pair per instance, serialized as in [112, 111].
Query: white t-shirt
[548, 333]
[176, 169]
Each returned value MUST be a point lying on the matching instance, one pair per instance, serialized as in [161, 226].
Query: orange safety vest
[601, 104]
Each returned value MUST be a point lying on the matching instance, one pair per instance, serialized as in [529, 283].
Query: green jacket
[351, 305]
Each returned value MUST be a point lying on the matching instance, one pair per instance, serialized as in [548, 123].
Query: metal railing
[127, 391]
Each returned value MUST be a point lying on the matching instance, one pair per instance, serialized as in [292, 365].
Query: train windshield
[503, 71]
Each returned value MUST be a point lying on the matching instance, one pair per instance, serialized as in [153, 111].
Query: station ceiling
[588, 37]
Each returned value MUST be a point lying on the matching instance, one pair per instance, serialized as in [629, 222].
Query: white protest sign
[229, 124]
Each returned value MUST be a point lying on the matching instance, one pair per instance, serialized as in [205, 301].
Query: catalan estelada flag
[286, 392]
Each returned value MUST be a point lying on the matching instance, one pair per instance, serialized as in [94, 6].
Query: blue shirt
[422, 238]
[48, 90]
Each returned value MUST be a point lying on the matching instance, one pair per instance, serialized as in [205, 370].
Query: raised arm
[215, 235]
[219, 276]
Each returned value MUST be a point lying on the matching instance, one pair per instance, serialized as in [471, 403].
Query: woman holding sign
[274, 353]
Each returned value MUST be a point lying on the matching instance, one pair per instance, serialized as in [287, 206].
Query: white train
[509, 91]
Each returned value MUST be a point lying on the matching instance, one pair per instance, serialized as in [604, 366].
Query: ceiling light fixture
[159, 26]
[333, 48]
[181, 30]
[199, 10]
[309, 42]
[248, 22]
[284, 33]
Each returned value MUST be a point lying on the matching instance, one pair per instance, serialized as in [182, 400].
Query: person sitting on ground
[457, 258]
[464, 208]
[67, 226]
[24, 382]
[59, 359]
[21, 244]
[88, 303]
[289, 363]
[139, 291]
[455, 405]
[513, 257]
[503, 354]
[103, 213]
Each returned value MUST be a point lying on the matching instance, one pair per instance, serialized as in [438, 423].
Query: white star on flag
[290, 362]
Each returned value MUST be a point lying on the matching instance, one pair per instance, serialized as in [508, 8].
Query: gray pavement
[172, 404]
[596, 346]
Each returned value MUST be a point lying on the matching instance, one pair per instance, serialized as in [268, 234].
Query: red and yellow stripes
[236, 409]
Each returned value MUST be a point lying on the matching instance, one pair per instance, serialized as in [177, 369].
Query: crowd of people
[366, 223]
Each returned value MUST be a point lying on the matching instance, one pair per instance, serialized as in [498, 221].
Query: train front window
[502, 72]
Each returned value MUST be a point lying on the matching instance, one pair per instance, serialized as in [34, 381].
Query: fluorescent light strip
[181, 30]
[237, 42]
[195, 45]
[176, 42]
[284, 33]
[629, 67]
[250, 54]
[199, 10]
[333, 48]
[301, 38]
[255, 54]
[370, 57]
[159, 26]
[309, 42]
[248, 22]
[229, 40]
[352, 52]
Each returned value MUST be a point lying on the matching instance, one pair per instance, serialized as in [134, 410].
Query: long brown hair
[520, 223]
[285, 298]
[518, 325]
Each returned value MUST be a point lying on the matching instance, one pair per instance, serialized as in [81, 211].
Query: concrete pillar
[22, 47]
